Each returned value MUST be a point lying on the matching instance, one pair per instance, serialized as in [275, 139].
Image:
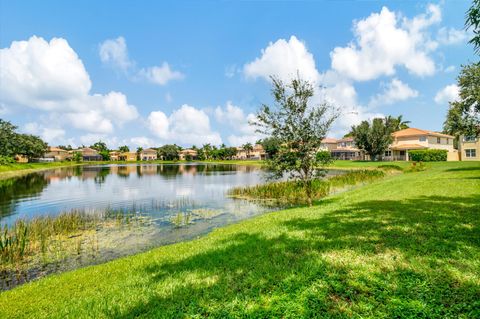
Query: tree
[168, 152]
[473, 21]
[468, 104]
[7, 138]
[77, 157]
[100, 146]
[397, 123]
[30, 145]
[207, 150]
[299, 127]
[124, 149]
[374, 138]
[271, 146]
[248, 147]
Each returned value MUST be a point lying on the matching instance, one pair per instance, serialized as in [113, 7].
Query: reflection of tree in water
[11, 190]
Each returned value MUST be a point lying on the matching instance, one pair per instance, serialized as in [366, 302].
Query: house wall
[409, 140]
[470, 145]
[444, 145]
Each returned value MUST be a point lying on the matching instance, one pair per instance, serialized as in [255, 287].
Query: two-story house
[347, 150]
[148, 154]
[416, 139]
[57, 154]
[469, 148]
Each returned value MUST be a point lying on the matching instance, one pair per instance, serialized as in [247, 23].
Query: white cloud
[449, 36]
[283, 59]
[186, 125]
[384, 41]
[49, 76]
[234, 118]
[393, 92]
[160, 75]
[449, 69]
[449, 93]
[51, 135]
[114, 52]
[141, 141]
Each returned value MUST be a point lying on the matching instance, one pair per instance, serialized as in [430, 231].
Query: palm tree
[248, 147]
[397, 123]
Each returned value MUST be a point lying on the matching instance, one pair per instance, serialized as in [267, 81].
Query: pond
[180, 201]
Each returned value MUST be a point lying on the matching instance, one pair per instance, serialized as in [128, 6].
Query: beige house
[328, 144]
[88, 154]
[57, 154]
[347, 150]
[184, 154]
[258, 153]
[148, 154]
[127, 156]
[114, 155]
[469, 148]
[416, 139]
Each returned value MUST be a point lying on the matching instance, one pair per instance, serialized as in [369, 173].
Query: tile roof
[327, 140]
[416, 132]
[407, 147]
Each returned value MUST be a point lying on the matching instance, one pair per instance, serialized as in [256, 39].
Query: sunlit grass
[407, 246]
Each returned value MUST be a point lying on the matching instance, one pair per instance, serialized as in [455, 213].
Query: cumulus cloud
[238, 123]
[186, 125]
[393, 92]
[284, 59]
[384, 41]
[447, 94]
[115, 53]
[48, 134]
[160, 75]
[49, 76]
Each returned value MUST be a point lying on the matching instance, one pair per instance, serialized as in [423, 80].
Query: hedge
[428, 155]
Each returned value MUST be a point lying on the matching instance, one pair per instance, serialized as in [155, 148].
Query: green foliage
[390, 167]
[100, 146]
[248, 147]
[124, 149]
[464, 114]
[324, 157]
[428, 155]
[105, 155]
[271, 146]
[13, 143]
[375, 137]
[77, 157]
[473, 22]
[294, 192]
[168, 152]
[6, 160]
[299, 127]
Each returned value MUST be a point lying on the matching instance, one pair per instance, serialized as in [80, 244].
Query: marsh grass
[44, 234]
[293, 192]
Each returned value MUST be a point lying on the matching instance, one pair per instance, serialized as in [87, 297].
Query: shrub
[390, 167]
[428, 155]
[417, 167]
[6, 160]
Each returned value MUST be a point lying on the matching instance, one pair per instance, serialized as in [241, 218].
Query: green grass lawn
[407, 246]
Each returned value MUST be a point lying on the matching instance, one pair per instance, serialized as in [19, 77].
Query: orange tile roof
[345, 139]
[327, 140]
[416, 132]
[56, 149]
[407, 147]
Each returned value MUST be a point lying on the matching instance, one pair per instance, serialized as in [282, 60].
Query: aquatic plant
[293, 192]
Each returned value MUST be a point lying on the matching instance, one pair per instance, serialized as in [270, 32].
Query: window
[448, 141]
[471, 152]
[469, 139]
[438, 140]
[422, 138]
[388, 153]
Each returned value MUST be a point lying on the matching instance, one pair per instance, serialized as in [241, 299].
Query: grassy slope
[407, 246]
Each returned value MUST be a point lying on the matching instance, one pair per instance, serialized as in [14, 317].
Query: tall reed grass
[26, 237]
[293, 192]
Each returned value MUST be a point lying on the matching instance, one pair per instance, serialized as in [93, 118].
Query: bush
[428, 155]
[6, 160]
[389, 167]
[417, 167]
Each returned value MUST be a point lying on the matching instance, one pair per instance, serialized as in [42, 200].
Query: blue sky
[147, 73]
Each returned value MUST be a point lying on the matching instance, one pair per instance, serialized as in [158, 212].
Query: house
[187, 154]
[127, 156]
[258, 153]
[88, 154]
[57, 154]
[347, 150]
[19, 158]
[416, 139]
[328, 144]
[114, 155]
[148, 154]
[469, 148]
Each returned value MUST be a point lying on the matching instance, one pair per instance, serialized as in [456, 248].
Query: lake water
[155, 189]
[173, 202]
